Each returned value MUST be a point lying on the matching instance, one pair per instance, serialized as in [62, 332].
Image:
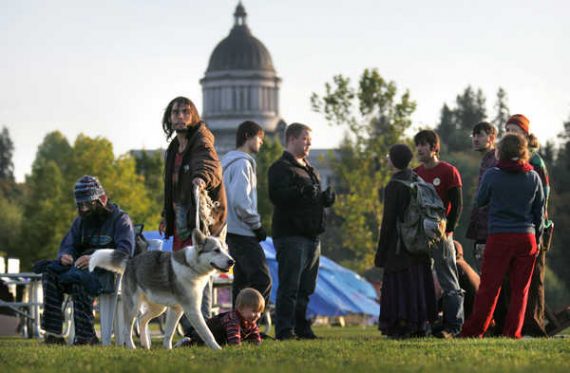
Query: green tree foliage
[47, 212]
[6, 152]
[468, 163]
[456, 124]
[559, 255]
[150, 166]
[375, 117]
[50, 208]
[10, 226]
[269, 153]
[502, 112]
[454, 128]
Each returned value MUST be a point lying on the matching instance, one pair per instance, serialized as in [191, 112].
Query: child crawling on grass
[236, 326]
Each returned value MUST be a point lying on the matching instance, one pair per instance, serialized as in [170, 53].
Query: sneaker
[184, 342]
[86, 342]
[287, 335]
[53, 340]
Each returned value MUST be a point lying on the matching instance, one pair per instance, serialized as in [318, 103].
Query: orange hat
[521, 121]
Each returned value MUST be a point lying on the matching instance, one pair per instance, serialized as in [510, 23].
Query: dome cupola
[240, 50]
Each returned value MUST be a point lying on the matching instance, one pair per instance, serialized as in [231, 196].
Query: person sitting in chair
[99, 224]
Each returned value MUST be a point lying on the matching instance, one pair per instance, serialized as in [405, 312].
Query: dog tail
[109, 259]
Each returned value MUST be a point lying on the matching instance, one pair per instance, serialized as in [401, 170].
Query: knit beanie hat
[400, 155]
[521, 121]
[87, 189]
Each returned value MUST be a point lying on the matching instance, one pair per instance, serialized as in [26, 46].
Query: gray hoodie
[240, 182]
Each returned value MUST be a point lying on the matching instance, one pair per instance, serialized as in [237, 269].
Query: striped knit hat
[87, 189]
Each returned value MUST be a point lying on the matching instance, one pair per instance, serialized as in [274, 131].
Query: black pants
[52, 319]
[298, 259]
[534, 316]
[250, 269]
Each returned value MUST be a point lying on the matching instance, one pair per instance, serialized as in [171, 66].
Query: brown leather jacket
[199, 160]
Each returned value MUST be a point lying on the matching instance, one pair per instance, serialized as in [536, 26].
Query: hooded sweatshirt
[241, 190]
[515, 197]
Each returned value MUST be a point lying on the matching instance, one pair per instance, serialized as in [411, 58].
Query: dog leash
[197, 201]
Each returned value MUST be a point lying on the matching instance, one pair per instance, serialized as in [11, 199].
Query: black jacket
[299, 204]
[396, 200]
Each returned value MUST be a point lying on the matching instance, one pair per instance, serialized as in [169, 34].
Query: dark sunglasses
[88, 204]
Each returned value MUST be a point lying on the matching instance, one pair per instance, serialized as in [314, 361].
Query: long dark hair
[167, 125]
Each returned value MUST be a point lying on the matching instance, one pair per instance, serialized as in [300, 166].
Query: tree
[548, 152]
[150, 166]
[50, 208]
[375, 117]
[456, 124]
[559, 256]
[47, 212]
[94, 156]
[269, 153]
[10, 226]
[6, 153]
[501, 111]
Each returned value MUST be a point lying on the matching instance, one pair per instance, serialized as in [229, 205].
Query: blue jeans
[446, 270]
[298, 260]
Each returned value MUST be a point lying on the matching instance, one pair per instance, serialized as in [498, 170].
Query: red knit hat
[521, 121]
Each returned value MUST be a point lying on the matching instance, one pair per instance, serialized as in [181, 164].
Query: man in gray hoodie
[244, 223]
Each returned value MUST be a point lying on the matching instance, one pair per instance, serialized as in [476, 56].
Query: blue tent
[339, 291]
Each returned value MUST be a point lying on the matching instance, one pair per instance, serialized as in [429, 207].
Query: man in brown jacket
[190, 160]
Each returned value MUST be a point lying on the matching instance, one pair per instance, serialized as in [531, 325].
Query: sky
[108, 68]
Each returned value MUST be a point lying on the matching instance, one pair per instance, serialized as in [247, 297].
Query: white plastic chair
[108, 314]
[108, 304]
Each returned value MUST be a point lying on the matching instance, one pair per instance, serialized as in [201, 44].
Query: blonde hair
[249, 297]
[513, 146]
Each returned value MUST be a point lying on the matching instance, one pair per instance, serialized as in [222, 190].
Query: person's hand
[260, 233]
[199, 182]
[66, 260]
[82, 262]
[162, 227]
[329, 196]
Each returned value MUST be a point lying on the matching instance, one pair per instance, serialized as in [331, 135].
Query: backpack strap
[407, 183]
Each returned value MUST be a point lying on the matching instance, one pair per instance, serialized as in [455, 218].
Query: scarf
[515, 166]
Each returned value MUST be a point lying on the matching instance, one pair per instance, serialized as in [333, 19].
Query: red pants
[512, 253]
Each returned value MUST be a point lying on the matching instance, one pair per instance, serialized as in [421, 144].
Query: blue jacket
[114, 231]
[515, 199]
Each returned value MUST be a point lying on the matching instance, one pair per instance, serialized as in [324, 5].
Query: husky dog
[159, 280]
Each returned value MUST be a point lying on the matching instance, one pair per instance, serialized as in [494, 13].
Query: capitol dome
[240, 50]
[240, 84]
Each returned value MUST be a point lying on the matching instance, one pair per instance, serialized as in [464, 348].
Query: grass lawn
[351, 349]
